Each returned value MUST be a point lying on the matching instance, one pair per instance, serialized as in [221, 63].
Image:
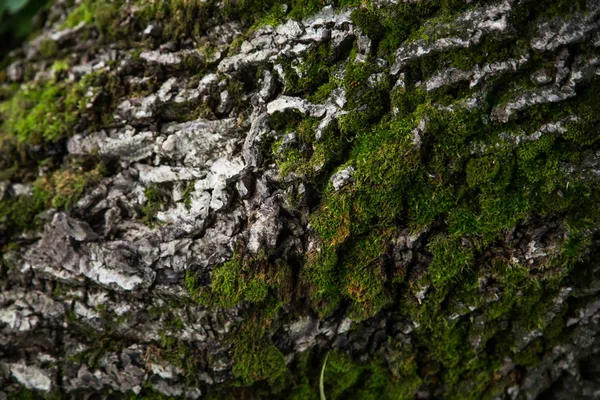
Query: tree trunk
[264, 199]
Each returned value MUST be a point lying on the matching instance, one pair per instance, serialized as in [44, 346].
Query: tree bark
[209, 200]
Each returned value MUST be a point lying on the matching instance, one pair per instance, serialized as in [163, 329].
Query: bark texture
[222, 200]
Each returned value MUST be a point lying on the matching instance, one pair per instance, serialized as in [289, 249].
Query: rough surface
[207, 200]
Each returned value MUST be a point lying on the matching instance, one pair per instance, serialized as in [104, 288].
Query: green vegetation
[344, 378]
[478, 198]
[35, 120]
[26, 394]
[187, 194]
[46, 112]
[59, 190]
[312, 76]
[434, 178]
[64, 187]
[157, 197]
[462, 179]
[254, 279]
[102, 13]
[255, 358]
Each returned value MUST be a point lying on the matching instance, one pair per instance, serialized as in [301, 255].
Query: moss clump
[149, 393]
[255, 358]
[48, 112]
[43, 113]
[369, 22]
[103, 14]
[254, 279]
[182, 18]
[322, 274]
[314, 71]
[367, 90]
[450, 259]
[262, 12]
[18, 215]
[64, 187]
[306, 158]
[26, 394]
[60, 189]
[344, 378]
[187, 194]
[36, 119]
[435, 177]
[464, 180]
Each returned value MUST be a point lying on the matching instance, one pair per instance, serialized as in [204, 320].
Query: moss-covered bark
[403, 196]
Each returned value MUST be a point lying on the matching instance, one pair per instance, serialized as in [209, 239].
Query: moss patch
[255, 358]
[253, 279]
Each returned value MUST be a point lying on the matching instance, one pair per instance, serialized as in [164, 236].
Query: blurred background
[18, 20]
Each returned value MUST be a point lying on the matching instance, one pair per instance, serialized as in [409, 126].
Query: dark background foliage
[17, 20]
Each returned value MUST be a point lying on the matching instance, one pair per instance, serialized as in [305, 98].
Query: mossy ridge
[103, 14]
[344, 378]
[482, 196]
[467, 219]
[60, 189]
[43, 113]
[254, 356]
[470, 194]
[313, 75]
[36, 119]
[389, 25]
[259, 364]
[47, 112]
[183, 19]
[447, 340]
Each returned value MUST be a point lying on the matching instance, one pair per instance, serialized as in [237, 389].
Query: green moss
[368, 97]
[63, 188]
[255, 280]
[365, 277]
[46, 112]
[322, 275]
[26, 394]
[323, 92]
[530, 356]
[345, 378]
[308, 158]
[269, 12]
[560, 8]
[157, 197]
[369, 22]
[18, 215]
[456, 175]
[450, 259]
[182, 18]
[61, 66]
[302, 9]
[103, 14]
[82, 13]
[255, 358]
[60, 190]
[187, 194]
[478, 197]
[48, 48]
[149, 393]
[311, 72]
[341, 373]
